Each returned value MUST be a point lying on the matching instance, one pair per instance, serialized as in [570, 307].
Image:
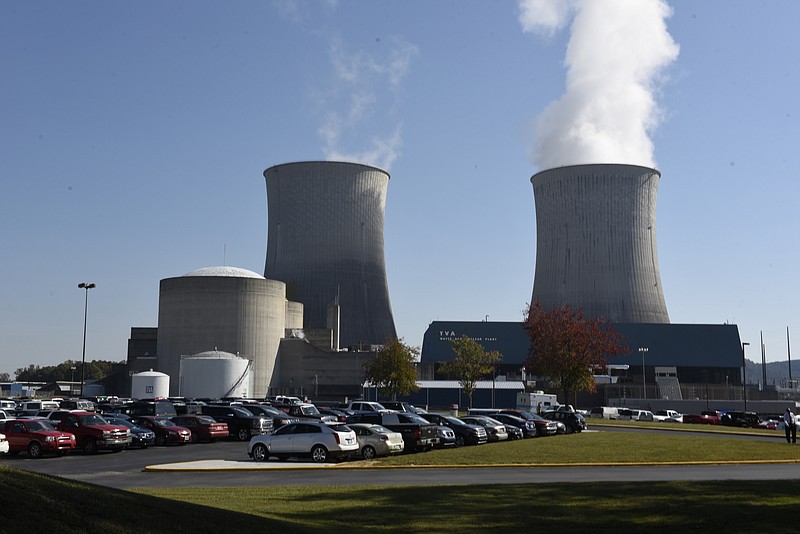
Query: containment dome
[223, 308]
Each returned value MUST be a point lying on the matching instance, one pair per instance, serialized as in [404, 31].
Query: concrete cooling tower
[596, 242]
[325, 241]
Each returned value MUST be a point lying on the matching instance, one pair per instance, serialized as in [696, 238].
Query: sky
[134, 135]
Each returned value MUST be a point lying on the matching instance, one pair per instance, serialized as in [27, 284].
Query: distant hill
[777, 372]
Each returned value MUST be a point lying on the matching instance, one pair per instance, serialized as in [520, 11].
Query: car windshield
[241, 412]
[122, 422]
[165, 422]
[453, 420]
[92, 420]
[309, 410]
[37, 426]
[206, 419]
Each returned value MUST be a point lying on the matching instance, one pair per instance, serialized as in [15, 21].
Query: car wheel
[194, 438]
[319, 454]
[35, 450]
[460, 441]
[90, 446]
[570, 430]
[368, 452]
[260, 453]
[161, 441]
[243, 434]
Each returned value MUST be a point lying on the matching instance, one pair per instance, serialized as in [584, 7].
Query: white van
[32, 407]
[604, 412]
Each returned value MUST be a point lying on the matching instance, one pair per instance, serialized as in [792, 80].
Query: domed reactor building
[325, 242]
[596, 242]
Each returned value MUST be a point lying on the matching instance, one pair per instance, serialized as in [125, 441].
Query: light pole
[86, 287]
[744, 376]
[72, 381]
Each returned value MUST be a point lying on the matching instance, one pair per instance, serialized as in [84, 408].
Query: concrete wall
[596, 242]
[244, 316]
[325, 241]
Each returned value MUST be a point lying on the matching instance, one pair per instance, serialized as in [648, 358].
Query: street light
[744, 376]
[72, 381]
[644, 383]
[86, 287]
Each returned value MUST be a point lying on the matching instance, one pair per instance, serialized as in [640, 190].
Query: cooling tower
[596, 242]
[325, 241]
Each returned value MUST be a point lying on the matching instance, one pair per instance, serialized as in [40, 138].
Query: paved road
[126, 470]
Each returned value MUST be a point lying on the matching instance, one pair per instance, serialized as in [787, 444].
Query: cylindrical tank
[596, 242]
[215, 375]
[294, 314]
[325, 240]
[150, 385]
[221, 308]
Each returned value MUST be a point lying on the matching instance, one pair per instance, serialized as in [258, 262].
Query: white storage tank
[214, 375]
[150, 385]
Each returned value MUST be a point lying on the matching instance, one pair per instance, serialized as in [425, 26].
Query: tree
[5, 377]
[471, 363]
[95, 369]
[393, 370]
[565, 346]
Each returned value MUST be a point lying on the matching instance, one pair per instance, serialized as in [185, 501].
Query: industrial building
[325, 242]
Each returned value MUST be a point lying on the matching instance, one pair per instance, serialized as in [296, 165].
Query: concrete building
[222, 308]
[596, 242]
[325, 242]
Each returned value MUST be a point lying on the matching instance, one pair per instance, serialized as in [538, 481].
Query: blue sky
[133, 137]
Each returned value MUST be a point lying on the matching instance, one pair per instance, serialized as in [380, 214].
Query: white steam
[617, 52]
[358, 79]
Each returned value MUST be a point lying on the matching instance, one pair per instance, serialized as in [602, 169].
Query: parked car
[282, 402]
[365, 406]
[4, 446]
[740, 419]
[418, 434]
[37, 438]
[603, 412]
[527, 428]
[203, 427]
[668, 416]
[93, 433]
[466, 433]
[495, 430]
[706, 417]
[340, 415]
[242, 423]
[544, 427]
[318, 441]
[279, 417]
[165, 430]
[633, 414]
[573, 421]
[140, 437]
[445, 436]
[309, 411]
[377, 440]
[77, 404]
[402, 406]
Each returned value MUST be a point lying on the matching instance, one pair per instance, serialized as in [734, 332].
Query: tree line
[69, 370]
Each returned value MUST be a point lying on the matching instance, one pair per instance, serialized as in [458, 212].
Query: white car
[303, 439]
[3, 444]
[668, 416]
[377, 440]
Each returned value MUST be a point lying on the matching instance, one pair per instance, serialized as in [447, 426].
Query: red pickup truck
[93, 433]
[706, 417]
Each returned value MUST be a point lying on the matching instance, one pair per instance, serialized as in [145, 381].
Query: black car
[466, 434]
[574, 421]
[527, 428]
[140, 437]
[740, 419]
[242, 424]
[279, 417]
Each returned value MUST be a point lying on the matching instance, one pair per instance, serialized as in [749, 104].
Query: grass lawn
[39, 503]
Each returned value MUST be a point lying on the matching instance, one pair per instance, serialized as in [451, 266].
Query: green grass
[605, 447]
[40, 503]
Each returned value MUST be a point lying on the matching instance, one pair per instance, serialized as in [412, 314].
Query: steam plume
[617, 52]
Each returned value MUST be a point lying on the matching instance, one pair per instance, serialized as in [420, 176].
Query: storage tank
[150, 385]
[222, 308]
[325, 241]
[215, 375]
[596, 242]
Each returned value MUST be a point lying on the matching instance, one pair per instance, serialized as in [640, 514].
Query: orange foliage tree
[565, 346]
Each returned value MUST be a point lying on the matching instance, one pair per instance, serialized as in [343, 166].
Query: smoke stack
[596, 242]
[325, 241]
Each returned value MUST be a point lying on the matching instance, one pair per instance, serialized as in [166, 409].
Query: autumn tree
[470, 364]
[565, 346]
[394, 370]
